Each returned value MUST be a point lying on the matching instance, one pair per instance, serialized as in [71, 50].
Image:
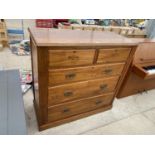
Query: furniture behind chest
[138, 78]
[76, 73]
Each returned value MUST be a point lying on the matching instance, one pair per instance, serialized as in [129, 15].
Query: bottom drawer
[77, 107]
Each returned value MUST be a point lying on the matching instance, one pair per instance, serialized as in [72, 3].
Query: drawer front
[72, 108]
[61, 76]
[69, 92]
[66, 58]
[113, 55]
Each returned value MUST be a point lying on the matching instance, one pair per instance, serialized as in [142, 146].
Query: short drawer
[67, 58]
[113, 55]
[78, 90]
[62, 76]
[73, 108]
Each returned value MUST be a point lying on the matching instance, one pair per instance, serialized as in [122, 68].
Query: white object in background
[24, 41]
[151, 71]
[1, 68]
[25, 88]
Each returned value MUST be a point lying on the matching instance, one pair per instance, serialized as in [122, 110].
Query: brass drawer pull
[103, 86]
[68, 93]
[107, 71]
[70, 76]
[66, 110]
[98, 102]
[73, 57]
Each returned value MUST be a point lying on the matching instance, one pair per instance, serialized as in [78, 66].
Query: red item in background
[57, 21]
[44, 23]
[67, 24]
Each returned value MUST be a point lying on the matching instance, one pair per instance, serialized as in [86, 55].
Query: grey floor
[130, 115]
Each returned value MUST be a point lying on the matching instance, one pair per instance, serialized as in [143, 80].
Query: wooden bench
[12, 114]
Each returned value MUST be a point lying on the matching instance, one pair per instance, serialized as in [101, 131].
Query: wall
[17, 24]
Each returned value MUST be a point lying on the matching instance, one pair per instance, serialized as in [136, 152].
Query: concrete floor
[130, 115]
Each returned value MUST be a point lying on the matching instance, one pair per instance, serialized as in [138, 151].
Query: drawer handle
[107, 71]
[103, 86]
[66, 110]
[73, 57]
[98, 102]
[68, 93]
[70, 75]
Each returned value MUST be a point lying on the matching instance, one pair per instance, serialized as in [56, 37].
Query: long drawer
[113, 55]
[73, 108]
[69, 92]
[66, 58]
[62, 76]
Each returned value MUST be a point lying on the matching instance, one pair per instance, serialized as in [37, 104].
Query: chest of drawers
[76, 73]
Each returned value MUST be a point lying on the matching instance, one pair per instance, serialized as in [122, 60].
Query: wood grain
[77, 107]
[69, 92]
[113, 55]
[35, 83]
[62, 76]
[69, 38]
[73, 118]
[43, 81]
[137, 79]
[138, 70]
[73, 69]
[145, 53]
[65, 58]
[135, 84]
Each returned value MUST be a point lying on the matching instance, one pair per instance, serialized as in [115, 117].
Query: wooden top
[63, 37]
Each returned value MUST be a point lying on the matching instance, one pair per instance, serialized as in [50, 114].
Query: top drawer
[113, 55]
[67, 58]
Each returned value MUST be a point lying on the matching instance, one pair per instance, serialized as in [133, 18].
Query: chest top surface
[63, 37]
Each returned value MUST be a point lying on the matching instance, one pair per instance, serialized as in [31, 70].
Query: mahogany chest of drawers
[76, 73]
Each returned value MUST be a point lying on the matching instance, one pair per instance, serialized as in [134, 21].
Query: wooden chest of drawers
[76, 73]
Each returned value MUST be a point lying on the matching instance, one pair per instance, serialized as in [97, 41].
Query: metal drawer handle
[98, 102]
[68, 93]
[107, 71]
[73, 57]
[103, 86]
[66, 110]
[70, 75]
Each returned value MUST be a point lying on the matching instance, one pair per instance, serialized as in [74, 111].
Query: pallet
[3, 33]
